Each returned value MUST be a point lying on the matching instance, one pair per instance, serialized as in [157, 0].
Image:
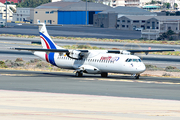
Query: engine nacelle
[89, 69]
[74, 54]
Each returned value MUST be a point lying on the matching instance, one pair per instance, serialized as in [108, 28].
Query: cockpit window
[133, 60]
[129, 60]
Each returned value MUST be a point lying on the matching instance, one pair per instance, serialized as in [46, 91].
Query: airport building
[10, 10]
[62, 12]
[22, 14]
[160, 24]
[129, 3]
[108, 18]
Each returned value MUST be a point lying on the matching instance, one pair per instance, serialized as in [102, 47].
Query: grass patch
[2, 64]
[153, 68]
[172, 69]
[175, 53]
[82, 47]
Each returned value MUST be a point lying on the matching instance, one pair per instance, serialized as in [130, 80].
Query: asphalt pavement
[74, 31]
[114, 85]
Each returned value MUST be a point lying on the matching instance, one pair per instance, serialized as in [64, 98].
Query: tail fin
[46, 40]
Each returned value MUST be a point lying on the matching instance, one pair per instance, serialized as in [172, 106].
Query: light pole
[86, 12]
[6, 13]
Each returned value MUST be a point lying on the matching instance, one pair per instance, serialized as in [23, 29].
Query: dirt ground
[161, 73]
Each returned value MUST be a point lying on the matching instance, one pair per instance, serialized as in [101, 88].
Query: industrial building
[108, 18]
[22, 14]
[145, 22]
[132, 22]
[63, 12]
[160, 24]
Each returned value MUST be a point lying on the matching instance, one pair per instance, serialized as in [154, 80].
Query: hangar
[63, 12]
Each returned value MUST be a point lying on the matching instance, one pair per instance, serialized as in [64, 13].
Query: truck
[2, 23]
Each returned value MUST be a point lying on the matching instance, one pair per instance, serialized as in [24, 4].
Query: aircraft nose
[142, 68]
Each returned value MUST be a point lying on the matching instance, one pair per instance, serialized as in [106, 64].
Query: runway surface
[59, 95]
[114, 85]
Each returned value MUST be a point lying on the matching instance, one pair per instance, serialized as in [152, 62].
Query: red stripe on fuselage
[47, 45]
[46, 56]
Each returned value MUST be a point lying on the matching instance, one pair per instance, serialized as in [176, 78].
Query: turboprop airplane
[89, 61]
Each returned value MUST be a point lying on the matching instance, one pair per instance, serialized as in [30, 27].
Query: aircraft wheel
[79, 74]
[137, 76]
[104, 74]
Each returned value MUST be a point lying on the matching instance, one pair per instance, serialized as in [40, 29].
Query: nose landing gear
[136, 76]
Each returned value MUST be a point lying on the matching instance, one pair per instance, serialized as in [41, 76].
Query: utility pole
[6, 13]
[86, 12]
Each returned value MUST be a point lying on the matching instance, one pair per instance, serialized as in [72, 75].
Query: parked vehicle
[2, 23]
[138, 29]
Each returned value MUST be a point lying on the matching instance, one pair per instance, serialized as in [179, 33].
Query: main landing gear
[104, 74]
[79, 74]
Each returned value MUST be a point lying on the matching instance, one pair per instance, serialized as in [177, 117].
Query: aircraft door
[78, 63]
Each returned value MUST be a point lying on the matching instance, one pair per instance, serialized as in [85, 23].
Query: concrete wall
[169, 26]
[105, 20]
[112, 20]
[44, 15]
[152, 24]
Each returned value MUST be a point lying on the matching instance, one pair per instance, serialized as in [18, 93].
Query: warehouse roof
[74, 5]
[161, 18]
[59, 4]
[81, 6]
[1, 4]
[129, 11]
[142, 17]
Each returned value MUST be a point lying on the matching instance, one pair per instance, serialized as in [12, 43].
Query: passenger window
[127, 60]
[139, 60]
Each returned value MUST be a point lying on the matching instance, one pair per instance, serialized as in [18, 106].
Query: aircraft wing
[48, 50]
[135, 51]
[79, 54]
[147, 51]
[74, 54]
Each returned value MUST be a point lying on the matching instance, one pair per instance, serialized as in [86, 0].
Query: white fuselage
[97, 62]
